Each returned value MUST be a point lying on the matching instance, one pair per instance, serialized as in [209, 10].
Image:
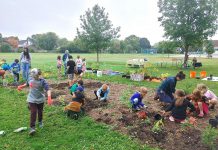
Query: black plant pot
[146, 77]
[94, 70]
[213, 123]
[158, 117]
[88, 68]
[128, 76]
[124, 76]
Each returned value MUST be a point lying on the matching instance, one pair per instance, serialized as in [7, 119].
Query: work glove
[101, 99]
[20, 87]
[49, 101]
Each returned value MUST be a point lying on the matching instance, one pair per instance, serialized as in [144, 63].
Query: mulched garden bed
[116, 113]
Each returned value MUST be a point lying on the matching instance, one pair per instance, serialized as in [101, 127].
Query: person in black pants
[179, 106]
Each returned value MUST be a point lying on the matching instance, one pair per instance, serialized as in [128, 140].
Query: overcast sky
[24, 18]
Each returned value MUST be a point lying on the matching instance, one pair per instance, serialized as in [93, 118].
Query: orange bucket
[192, 74]
[203, 74]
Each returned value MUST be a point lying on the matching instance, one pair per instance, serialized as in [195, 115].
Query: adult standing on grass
[65, 59]
[25, 60]
[167, 88]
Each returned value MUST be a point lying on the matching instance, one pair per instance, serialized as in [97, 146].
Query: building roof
[21, 42]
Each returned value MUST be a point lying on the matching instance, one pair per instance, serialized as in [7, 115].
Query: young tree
[188, 21]
[97, 29]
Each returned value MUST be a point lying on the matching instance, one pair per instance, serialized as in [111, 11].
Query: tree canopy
[167, 47]
[144, 43]
[209, 47]
[96, 29]
[188, 21]
[46, 41]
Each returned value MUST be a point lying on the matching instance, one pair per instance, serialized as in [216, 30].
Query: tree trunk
[97, 55]
[185, 63]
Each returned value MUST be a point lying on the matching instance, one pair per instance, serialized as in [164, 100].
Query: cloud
[23, 18]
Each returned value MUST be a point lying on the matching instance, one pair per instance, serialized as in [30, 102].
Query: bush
[5, 47]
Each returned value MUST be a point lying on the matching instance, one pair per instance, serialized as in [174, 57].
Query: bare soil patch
[116, 113]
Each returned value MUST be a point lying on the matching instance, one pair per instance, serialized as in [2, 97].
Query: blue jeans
[25, 70]
[65, 69]
[164, 97]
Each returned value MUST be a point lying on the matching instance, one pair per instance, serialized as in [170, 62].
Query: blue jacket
[5, 66]
[15, 67]
[136, 95]
[136, 100]
[105, 93]
[65, 56]
[168, 86]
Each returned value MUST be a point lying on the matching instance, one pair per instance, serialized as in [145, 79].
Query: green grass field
[117, 62]
[62, 133]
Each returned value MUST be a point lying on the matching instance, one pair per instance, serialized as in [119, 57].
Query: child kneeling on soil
[199, 102]
[212, 98]
[102, 93]
[136, 99]
[179, 107]
[77, 87]
[36, 98]
[74, 108]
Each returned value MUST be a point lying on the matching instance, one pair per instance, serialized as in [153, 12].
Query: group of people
[179, 105]
[71, 67]
[37, 85]
[176, 101]
[23, 65]
[15, 67]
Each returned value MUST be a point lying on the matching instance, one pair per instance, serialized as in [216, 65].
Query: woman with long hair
[25, 60]
[168, 87]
